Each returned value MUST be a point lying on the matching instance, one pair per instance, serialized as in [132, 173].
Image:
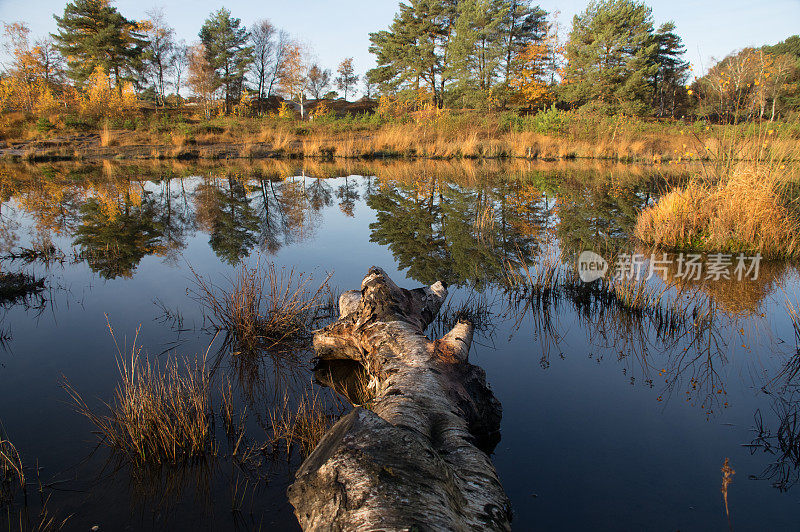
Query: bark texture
[418, 459]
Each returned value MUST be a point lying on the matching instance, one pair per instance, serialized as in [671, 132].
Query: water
[607, 423]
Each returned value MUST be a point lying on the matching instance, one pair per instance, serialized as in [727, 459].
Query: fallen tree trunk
[418, 458]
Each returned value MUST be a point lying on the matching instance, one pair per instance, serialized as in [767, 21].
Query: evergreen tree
[227, 51]
[478, 47]
[415, 50]
[610, 54]
[93, 34]
[670, 77]
[523, 25]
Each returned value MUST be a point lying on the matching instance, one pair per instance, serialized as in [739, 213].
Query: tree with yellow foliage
[102, 99]
[34, 72]
[294, 81]
[529, 76]
[201, 77]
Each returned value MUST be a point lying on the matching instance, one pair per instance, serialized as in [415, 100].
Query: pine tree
[523, 25]
[415, 50]
[670, 77]
[478, 47]
[227, 51]
[93, 34]
[610, 54]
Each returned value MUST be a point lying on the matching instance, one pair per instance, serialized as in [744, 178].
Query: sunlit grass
[749, 211]
[301, 425]
[160, 414]
[263, 307]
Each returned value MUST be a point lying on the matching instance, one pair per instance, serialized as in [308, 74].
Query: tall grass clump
[263, 307]
[160, 415]
[745, 199]
[749, 211]
[300, 426]
[538, 279]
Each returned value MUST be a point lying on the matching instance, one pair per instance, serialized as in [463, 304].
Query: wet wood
[418, 458]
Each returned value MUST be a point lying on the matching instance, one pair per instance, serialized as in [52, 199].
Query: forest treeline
[487, 55]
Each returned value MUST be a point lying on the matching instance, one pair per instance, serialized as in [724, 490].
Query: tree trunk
[418, 458]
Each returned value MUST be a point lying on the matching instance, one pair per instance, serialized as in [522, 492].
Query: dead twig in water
[727, 478]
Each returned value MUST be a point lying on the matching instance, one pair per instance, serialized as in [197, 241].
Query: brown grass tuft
[11, 471]
[264, 308]
[159, 415]
[746, 212]
[303, 425]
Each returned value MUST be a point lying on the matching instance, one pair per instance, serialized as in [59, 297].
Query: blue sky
[338, 29]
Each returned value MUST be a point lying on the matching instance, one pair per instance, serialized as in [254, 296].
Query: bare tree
[319, 81]
[282, 47]
[347, 78]
[180, 63]
[50, 60]
[369, 87]
[262, 38]
[159, 51]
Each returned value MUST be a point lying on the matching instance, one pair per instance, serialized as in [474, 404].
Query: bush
[43, 125]
[78, 124]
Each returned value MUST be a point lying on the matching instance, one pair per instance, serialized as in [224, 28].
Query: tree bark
[417, 458]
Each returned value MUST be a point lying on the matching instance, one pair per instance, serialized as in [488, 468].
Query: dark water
[608, 422]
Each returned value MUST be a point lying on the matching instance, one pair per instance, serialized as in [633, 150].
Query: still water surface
[608, 422]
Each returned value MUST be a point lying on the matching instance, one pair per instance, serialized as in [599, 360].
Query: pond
[613, 418]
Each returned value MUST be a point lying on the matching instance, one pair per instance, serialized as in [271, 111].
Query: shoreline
[90, 148]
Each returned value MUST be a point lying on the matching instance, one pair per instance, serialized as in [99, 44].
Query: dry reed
[12, 472]
[264, 308]
[303, 425]
[159, 415]
[748, 211]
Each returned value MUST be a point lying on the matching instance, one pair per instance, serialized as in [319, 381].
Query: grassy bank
[549, 135]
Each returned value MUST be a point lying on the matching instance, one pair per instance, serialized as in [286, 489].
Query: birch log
[417, 460]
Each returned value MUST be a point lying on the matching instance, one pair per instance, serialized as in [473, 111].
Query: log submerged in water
[418, 458]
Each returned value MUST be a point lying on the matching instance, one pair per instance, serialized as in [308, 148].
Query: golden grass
[749, 211]
[448, 134]
[107, 137]
[263, 308]
[159, 414]
[301, 426]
